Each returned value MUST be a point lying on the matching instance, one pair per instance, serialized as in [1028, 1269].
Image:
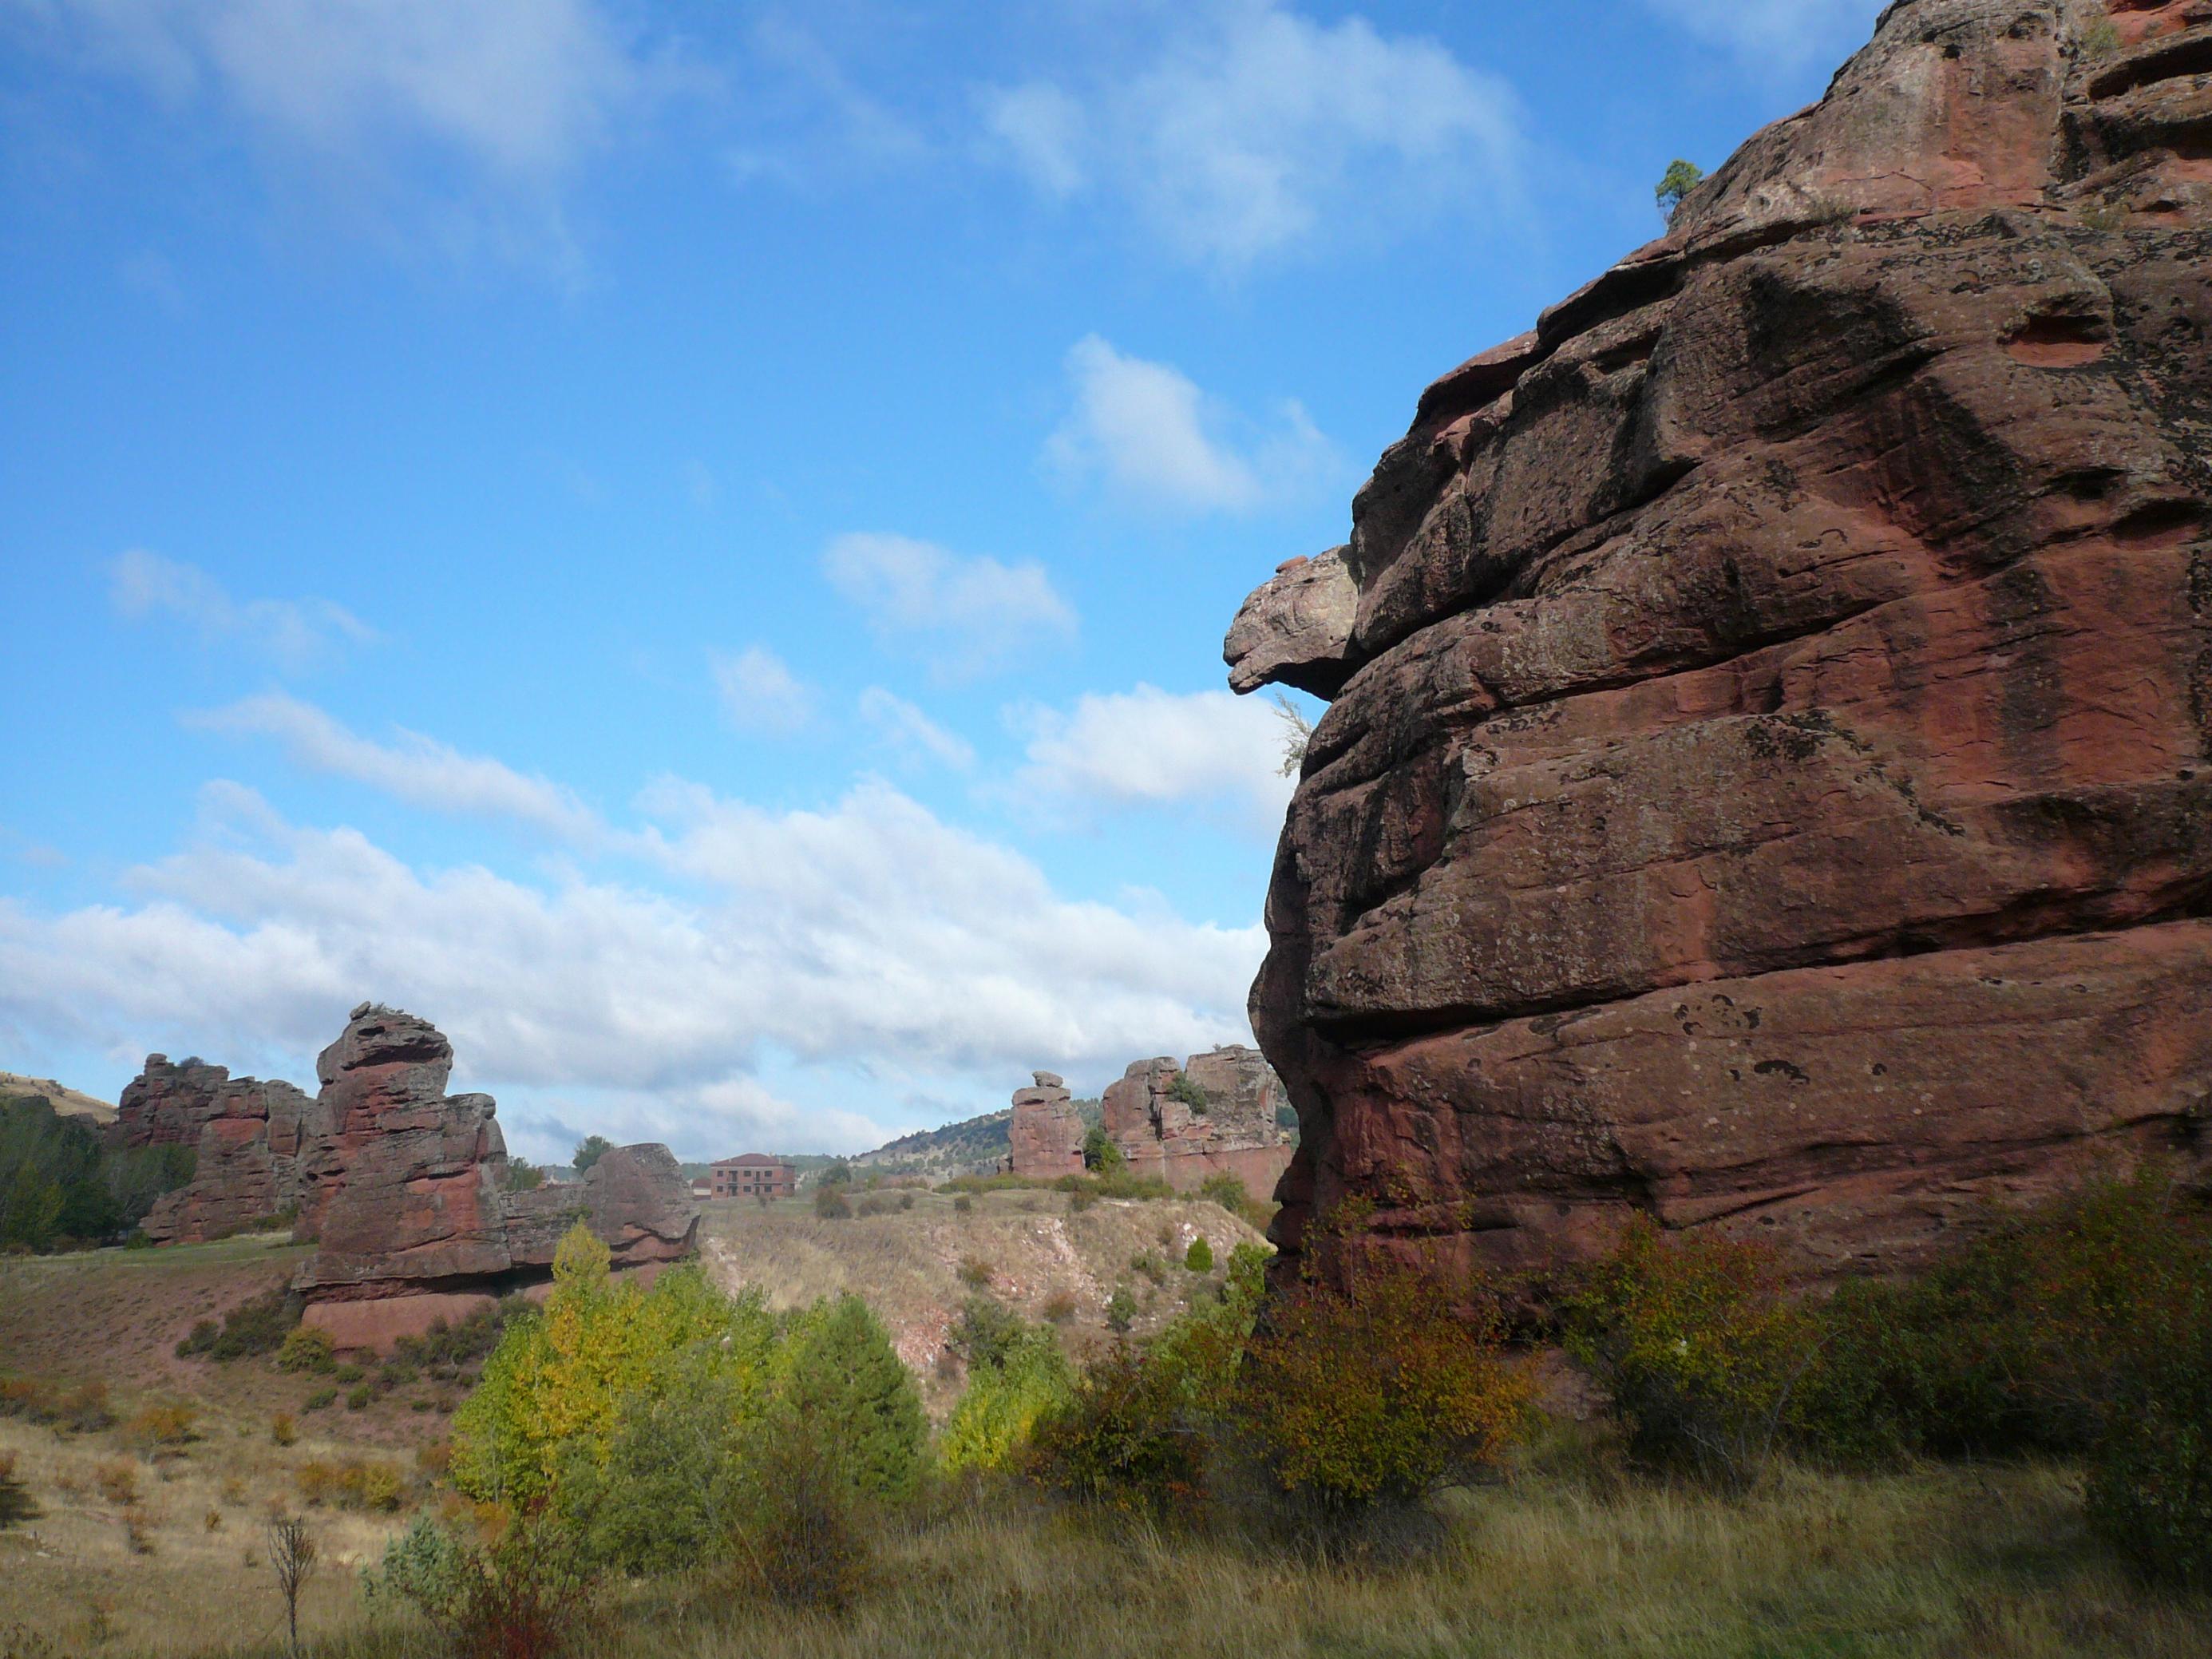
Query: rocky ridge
[1767, 785]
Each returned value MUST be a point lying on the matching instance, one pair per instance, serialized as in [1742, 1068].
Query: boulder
[1294, 630]
[1767, 780]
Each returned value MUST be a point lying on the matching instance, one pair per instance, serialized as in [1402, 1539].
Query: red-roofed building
[754, 1175]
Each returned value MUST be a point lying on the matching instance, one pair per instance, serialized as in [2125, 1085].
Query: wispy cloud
[1146, 430]
[486, 107]
[965, 616]
[1768, 34]
[760, 693]
[296, 632]
[913, 734]
[1150, 748]
[1250, 126]
[412, 768]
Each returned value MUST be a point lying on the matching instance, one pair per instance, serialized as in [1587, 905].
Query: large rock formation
[1044, 1137]
[1768, 787]
[1214, 1114]
[245, 1134]
[402, 1190]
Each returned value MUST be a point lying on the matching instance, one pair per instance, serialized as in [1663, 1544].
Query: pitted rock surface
[1767, 785]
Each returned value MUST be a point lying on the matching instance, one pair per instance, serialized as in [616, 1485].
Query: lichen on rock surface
[1767, 782]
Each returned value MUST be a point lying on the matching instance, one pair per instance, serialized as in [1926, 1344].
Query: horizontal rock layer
[1811, 617]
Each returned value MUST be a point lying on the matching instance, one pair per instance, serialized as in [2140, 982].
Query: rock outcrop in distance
[1213, 1114]
[399, 1185]
[1766, 786]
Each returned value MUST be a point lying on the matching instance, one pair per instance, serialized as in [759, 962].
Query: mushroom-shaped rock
[1295, 630]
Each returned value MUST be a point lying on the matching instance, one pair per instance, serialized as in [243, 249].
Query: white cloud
[1776, 33]
[414, 768]
[867, 938]
[1147, 430]
[518, 89]
[296, 633]
[760, 693]
[913, 733]
[966, 616]
[1149, 748]
[1252, 126]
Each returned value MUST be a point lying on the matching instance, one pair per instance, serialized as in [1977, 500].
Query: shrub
[1100, 1153]
[1695, 1344]
[256, 1327]
[380, 1488]
[118, 1480]
[1059, 1307]
[282, 1430]
[523, 1595]
[589, 1151]
[306, 1348]
[2150, 1476]
[906, 1201]
[662, 1498]
[974, 1271]
[830, 1204]
[1191, 1092]
[1231, 1193]
[2018, 1340]
[15, 1502]
[158, 1428]
[320, 1399]
[802, 1539]
[1011, 1383]
[347, 1373]
[138, 1530]
[1147, 1264]
[1200, 1257]
[359, 1397]
[963, 1205]
[1120, 1309]
[873, 1204]
[1381, 1395]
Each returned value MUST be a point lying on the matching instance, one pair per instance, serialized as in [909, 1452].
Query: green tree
[1676, 185]
[1200, 1257]
[1120, 1309]
[846, 1384]
[592, 1149]
[1026, 1377]
[1100, 1153]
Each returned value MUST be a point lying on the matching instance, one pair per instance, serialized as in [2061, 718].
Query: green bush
[2150, 1474]
[320, 1399]
[802, 1536]
[348, 1372]
[357, 1398]
[830, 1203]
[1014, 1377]
[1120, 1309]
[1191, 1092]
[1699, 1351]
[1100, 1154]
[2016, 1341]
[1674, 186]
[257, 1326]
[589, 1151]
[964, 1204]
[306, 1348]
[524, 1594]
[1199, 1258]
[664, 1495]
[1377, 1395]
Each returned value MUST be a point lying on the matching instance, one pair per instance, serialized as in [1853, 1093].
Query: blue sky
[689, 544]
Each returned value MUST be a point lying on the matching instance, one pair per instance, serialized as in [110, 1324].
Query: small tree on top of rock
[1676, 185]
[592, 1149]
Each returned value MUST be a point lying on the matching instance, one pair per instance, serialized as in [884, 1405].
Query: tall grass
[1951, 1561]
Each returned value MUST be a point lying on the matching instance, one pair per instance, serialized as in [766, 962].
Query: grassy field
[148, 1549]
[1950, 1562]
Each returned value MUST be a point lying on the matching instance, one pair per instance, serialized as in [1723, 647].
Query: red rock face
[1163, 1133]
[1769, 786]
[1044, 1137]
[402, 1189]
[167, 1103]
[248, 1171]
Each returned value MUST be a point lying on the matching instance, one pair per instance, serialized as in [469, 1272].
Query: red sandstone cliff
[1767, 785]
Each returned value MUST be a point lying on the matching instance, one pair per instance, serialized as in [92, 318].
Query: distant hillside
[972, 1147]
[70, 1103]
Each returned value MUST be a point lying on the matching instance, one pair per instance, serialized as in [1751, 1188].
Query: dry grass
[1950, 1564]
